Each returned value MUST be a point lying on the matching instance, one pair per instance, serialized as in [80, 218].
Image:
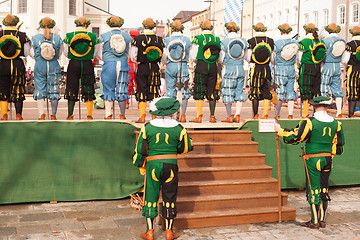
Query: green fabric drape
[67, 161]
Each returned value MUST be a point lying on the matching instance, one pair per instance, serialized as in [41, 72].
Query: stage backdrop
[345, 167]
[67, 161]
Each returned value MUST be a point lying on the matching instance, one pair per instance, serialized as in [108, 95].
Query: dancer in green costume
[324, 138]
[155, 153]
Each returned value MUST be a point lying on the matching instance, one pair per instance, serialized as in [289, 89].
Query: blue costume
[47, 73]
[233, 71]
[285, 50]
[177, 49]
[331, 71]
[115, 71]
[284, 71]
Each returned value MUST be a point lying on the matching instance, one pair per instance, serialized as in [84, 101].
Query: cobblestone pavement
[116, 220]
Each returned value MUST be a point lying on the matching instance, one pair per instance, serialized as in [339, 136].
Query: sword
[307, 173]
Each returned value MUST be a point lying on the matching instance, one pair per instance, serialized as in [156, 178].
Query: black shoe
[311, 225]
[322, 224]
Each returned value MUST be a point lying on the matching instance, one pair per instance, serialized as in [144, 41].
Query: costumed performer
[147, 50]
[283, 58]
[113, 50]
[159, 141]
[331, 70]
[14, 48]
[324, 138]
[259, 55]
[46, 49]
[205, 50]
[176, 57]
[312, 52]
[351, 60]
[80, 47]
[233, 49]
[133, 68]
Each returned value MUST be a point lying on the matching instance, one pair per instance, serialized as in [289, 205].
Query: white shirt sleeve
[32, 52]
[193, 52]
[99, 51]
[133, 52]
[164, 58]
[298, 58]
[66, 49]
[345, 58]
[27, 49]
[222, 56]
[61, 50]
[273, 55]
[248, 55]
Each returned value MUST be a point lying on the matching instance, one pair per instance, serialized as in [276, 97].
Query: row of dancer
[318, 61]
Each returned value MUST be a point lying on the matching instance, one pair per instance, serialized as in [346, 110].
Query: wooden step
[219, 135]
[214, 160]
[232, 217]
[224, 173]
[227, 186]
[228, 202]
[223, 147]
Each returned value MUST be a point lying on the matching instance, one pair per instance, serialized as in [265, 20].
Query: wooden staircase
[225, 181]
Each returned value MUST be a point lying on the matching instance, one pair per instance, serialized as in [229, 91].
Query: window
[341, 15]
[22, 6]
[295, 18]
[286, 15]
[278, 20]
[316, 18]
[355, 12]
[72, 7]
[326, 17]
[47, 6]
[96, 30]
[306, 18]
[264, 21]
[270, 21]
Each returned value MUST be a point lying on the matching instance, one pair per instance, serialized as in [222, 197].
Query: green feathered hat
[321, 101]
[333, 28]
[310, 27]
[164, 106]
[259, 27]
[355, 31]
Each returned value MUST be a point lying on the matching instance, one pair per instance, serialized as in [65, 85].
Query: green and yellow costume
[323, 140]
[158, 143]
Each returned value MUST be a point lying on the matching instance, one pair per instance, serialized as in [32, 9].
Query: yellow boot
[306, 106]
[199, 107]
[89, 107]
[142, 108]
[4, 108]
[266, 105]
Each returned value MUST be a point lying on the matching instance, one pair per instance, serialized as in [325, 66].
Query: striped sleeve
[141, 149]
[185, 142]
[301, 133]
[338, 141]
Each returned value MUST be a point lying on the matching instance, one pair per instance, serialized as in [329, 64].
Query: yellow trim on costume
[183, 136]
[11, 28]
[312, 50]
[157, 138]
[148, 49]
[167, 138]
[257, 46]
[171, 177]
[334, 143]
[11, 37]
[308, 127]
[153, 175]
[318, 167]
[149, 33]
[144, 137]
[80, 36]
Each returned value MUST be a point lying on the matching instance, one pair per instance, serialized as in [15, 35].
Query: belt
[307, 156]
[157, 157]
